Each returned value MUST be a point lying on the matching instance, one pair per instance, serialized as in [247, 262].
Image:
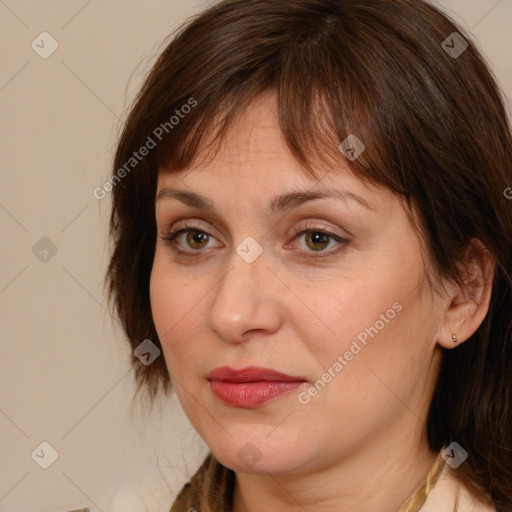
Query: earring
[454, 338]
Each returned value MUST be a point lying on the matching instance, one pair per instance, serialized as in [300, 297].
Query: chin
[253, 463]
[255, 454]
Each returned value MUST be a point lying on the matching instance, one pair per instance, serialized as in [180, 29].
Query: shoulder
[450, 494]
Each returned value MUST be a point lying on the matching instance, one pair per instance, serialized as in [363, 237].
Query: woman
[309, 221]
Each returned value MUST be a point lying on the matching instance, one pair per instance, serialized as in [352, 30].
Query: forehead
[254, 152]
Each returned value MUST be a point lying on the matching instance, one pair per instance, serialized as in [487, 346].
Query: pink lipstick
[252, 386]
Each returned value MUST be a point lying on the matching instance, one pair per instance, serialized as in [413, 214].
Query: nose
[246, 302]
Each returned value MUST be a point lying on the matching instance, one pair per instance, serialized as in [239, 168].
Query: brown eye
[188, 240]
[316, 240]
[195, 239]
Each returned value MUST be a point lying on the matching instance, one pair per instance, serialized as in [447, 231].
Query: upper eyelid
[304, 226]
[297, 215]
[190, 226]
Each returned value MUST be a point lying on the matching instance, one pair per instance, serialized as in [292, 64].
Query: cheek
[386, 352]
[177, 307]
[372, 323]
[350, 310]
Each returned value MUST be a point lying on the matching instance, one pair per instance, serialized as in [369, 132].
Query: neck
[379, 477]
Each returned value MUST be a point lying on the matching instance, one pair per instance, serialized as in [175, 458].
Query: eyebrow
[280, 203]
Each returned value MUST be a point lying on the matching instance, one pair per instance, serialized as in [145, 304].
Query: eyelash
[171, 237]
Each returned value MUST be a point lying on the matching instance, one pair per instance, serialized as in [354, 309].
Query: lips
[252, 386]
[251, 374]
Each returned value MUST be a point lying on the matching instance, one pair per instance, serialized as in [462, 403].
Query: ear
[467, 306]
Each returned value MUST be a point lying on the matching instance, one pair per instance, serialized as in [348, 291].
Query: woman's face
[259, 284]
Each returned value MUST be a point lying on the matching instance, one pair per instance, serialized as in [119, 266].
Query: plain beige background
[64, 371]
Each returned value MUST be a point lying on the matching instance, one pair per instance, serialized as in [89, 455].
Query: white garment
[450, 495]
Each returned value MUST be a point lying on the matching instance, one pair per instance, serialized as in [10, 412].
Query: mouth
[252, 386]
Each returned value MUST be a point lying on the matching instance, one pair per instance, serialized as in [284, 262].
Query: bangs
[327, 102]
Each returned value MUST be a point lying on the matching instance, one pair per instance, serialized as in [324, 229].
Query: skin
[360, 443]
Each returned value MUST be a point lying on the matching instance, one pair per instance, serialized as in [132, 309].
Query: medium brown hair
[436, 134]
